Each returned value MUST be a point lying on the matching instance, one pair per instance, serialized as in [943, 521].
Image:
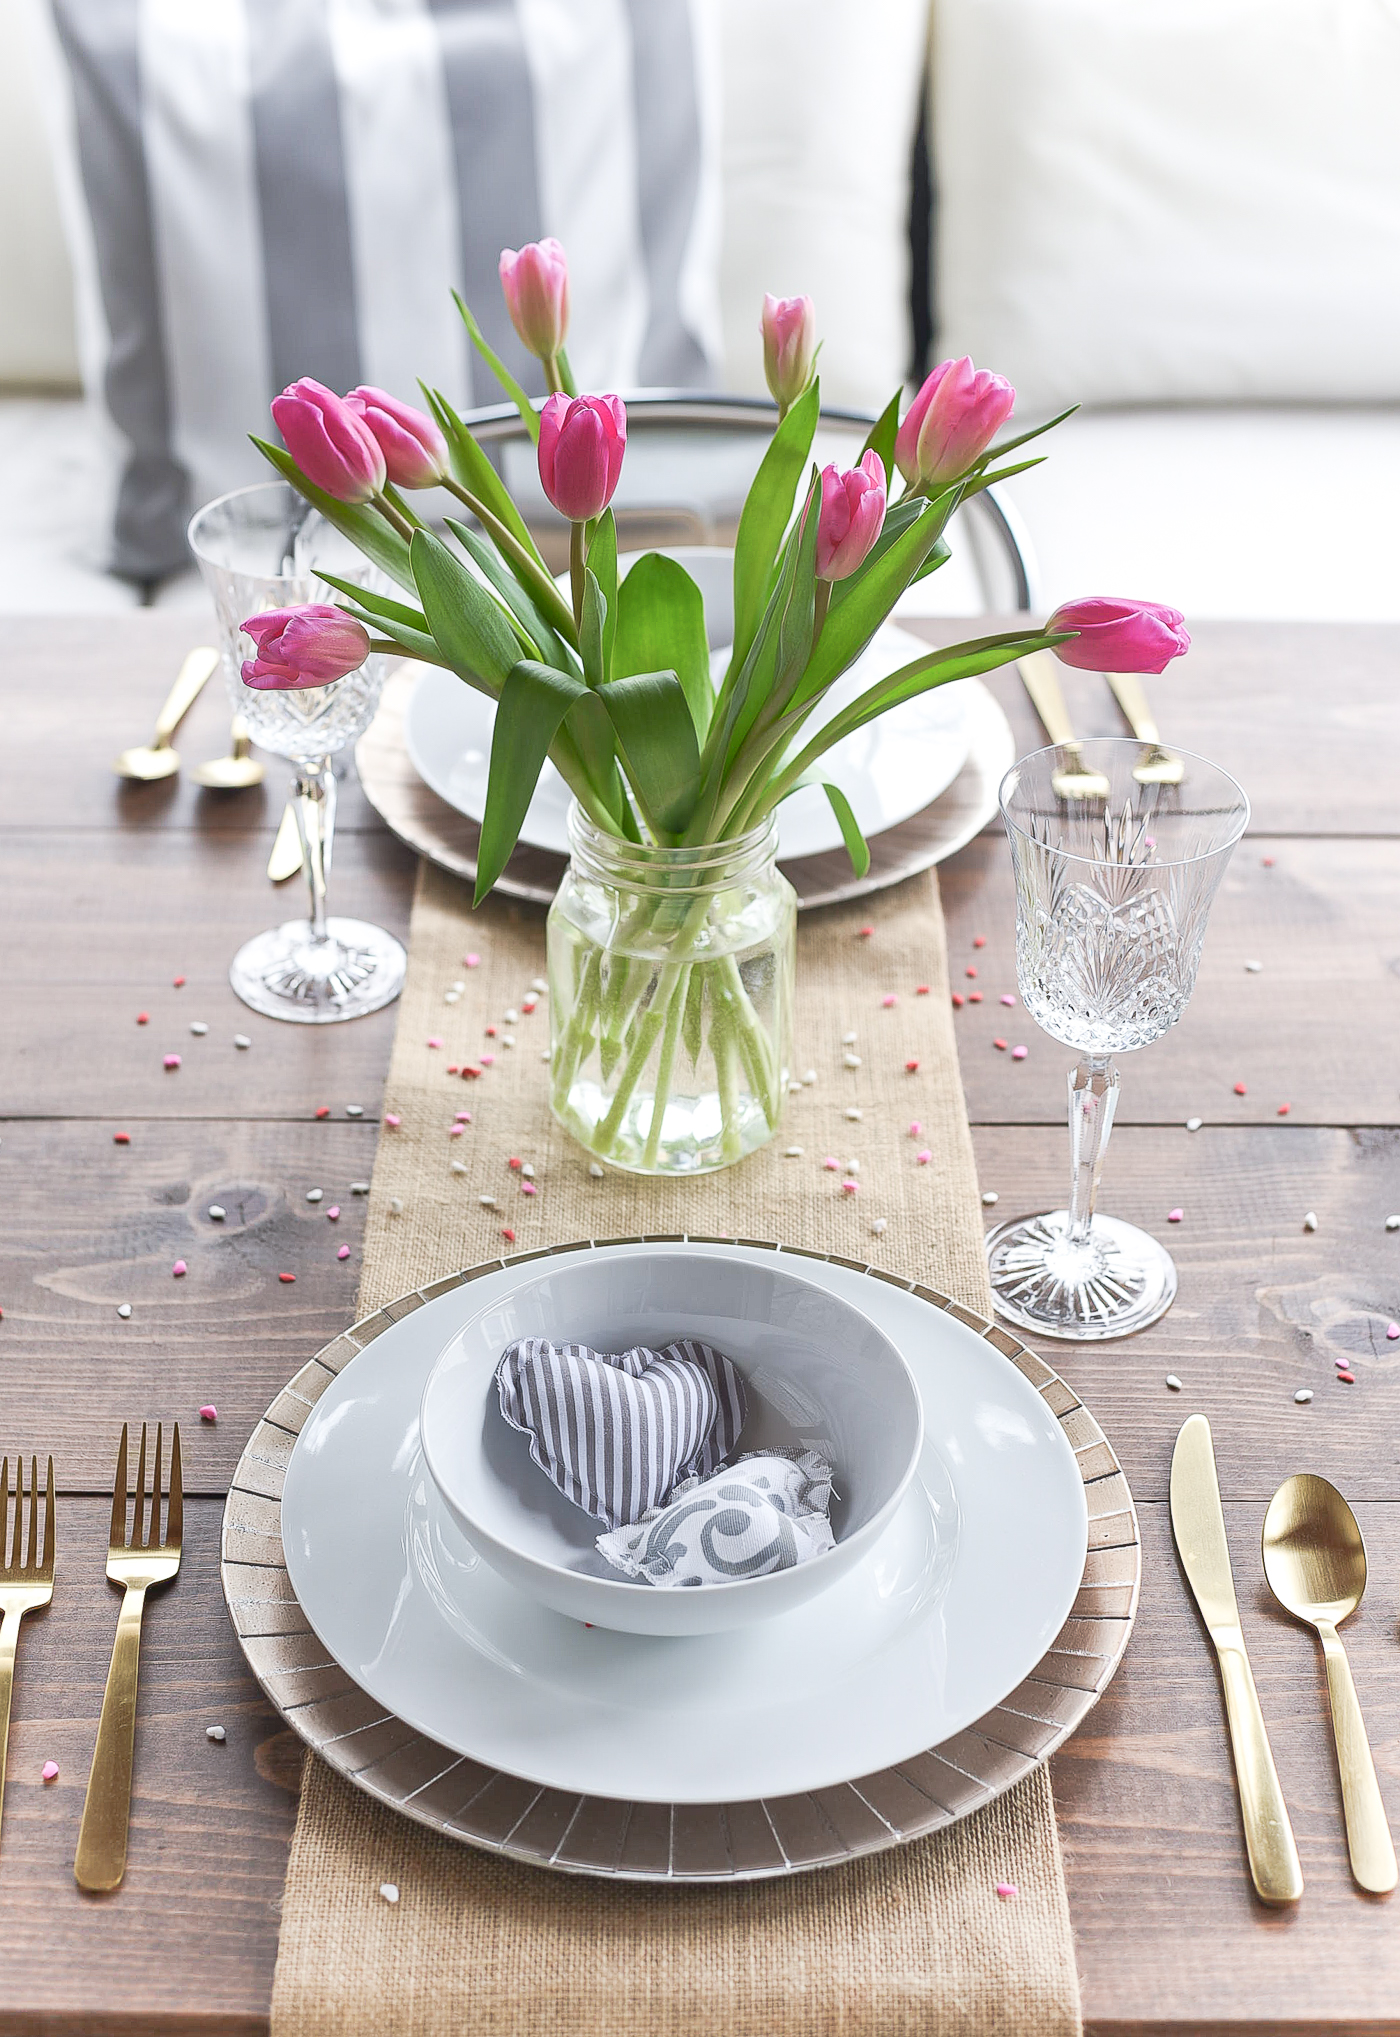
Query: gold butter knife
[1040, 674]
[285, 860]
[1199, 1527]
[1159, 766]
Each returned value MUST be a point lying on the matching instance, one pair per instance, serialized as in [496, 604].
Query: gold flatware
[26, 1578]
[1159, 766]
[285, 860]
[1040, 674]
[237, 769]
[158, 760]
[150, 1558]
[1315, 1561]
[1199, 1527]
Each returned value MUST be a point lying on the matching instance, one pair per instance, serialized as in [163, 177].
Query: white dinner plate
[951, 1610]
[888, 770]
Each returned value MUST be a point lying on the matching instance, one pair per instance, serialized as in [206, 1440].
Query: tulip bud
[852, 514]
[300, 647]
[536, 286]
[414, 450]
[789, 328]
[331, 445]
[582, 440]
[951, 422]
[1119, 636]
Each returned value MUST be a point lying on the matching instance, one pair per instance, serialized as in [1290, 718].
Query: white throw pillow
[821, 104]
[1170, 200]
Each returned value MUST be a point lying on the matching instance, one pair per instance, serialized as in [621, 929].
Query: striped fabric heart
[615, 1434]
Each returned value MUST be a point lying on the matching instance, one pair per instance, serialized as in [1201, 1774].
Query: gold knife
[1040, 674]
[1199, 1527]
[285, 860]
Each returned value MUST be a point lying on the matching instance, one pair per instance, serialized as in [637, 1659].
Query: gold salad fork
[26, 1578]
[148, 1559]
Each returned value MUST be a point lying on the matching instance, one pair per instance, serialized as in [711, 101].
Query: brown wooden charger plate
[485, 1807]
[438, 831]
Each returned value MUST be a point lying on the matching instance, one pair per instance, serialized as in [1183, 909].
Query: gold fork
[26, 1581]
[1040, 674]
[138, 1565]
[1157, 766]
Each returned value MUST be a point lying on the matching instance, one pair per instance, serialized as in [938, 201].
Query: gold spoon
[158, 760]
[233, 772]
[1315, 1561]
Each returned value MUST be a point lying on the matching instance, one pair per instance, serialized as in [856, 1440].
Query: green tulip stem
[395, 518]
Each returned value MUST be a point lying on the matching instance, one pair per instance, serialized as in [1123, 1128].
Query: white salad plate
[954, 1606]
[888, 770]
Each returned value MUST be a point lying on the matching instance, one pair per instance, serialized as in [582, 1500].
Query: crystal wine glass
[259, 548]
[1112, 897]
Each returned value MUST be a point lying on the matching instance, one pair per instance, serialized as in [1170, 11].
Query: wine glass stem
[1093, 1099]
[315, 812]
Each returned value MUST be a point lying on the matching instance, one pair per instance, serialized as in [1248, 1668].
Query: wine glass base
[1120, 1281]
[287, 974]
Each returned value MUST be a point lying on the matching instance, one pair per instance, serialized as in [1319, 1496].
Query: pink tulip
[333, 447]
[582, 440]
[1119, 636]
[789, 328]
[536, 287]
[852, 513]
[415, 451]
[299, 647]
[951, 423]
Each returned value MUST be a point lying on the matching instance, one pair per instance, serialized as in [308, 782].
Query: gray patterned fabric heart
[767, 1512]
[616, 1434]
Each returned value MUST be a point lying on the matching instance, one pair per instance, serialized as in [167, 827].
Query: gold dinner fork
[148, 1559]
[1040, 674]
[1157, 766]
[26, 1580]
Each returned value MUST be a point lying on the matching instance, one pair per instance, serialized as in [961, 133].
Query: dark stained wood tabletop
[111, 891]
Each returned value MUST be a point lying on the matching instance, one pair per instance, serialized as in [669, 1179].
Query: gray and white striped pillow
[616, 1434]
[261, 189]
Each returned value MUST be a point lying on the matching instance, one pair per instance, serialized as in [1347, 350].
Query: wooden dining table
[122, 899]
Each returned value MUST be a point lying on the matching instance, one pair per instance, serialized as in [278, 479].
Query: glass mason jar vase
[670, 988]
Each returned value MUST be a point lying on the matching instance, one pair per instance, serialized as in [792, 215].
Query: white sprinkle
[849, 1039]
[389, 1890]
[1392, 1223]
[315, 1194]
[217, 1212]
[794, 1089]
[989, 1196]
[395, 1206]
[878, 1226]
[487, 1201]
[854, 1115]
[512, 1018]
[595, 1170]
[1310, 1221]
[241, 1040]
[1194, 1124]
[359, 1188]
[853, 1167]
[546, 1054]
[851, 1060]
[460, 985]
[216, 1734]
[124, 1310]
[452, 997]
[1303, 1396]
[459, 1166]
[507, 1039]
[1173, 1382]
[1253, 968]
[198, 1028]
[792, 1153]
[539, 986]
[354, 1110]
[528, 1171]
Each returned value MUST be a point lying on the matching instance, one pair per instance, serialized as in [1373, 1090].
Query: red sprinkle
[527, 1005]
[508, 1234]
[1268, 862]
[286, 1278]
[958, 1000]
[179, 1269]
[143, 1018]
[323, 1110]
[1001, 1045]
[514, 1162]
[453, 1069]
[971, 969]
[979, 940]
[469, 1073]
[1284, 1109]
[1240, 1089]
[911, 1066]
[922, 989]
[1347, 1378]
[179, 982]
[866, 932]
[974, 997]
[121, 1138]
[209, 1413]
[490, 1032]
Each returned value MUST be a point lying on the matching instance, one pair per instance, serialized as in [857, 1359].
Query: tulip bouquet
[609, 676]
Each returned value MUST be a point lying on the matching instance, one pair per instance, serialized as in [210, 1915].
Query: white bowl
[816, 1369]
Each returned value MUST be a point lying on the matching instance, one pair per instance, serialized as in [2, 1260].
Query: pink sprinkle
[1006, 1890]
[392, 1121]
[209, 1413]
[343, 1253]
[143, 1018]
[50, 1771]
[471, 960]
[924, 1157]
[1240, 1089]
[922, 989]
[958, 1000]
[971, 969]
[979, 940]
[333, 1213]
[850, 1188]
[463, 1117]
[455, 1131]
[974, 997]
[1392, 1331]
[491, 1032]
[179, 982]
[172, 1060]
[915, 1129]
[911, 1066]
[889, 999]
[434, 1040]
[488, 1060]
[1284, 1109]
[1019, 1053]
[1149, 841]
[831, 1163]
[1007, 998]
[528, 1188]
[866, 932]
[179, 1270]
[1268, 862]
[1341, 1363]
[453, 1069]
[1174, 1216]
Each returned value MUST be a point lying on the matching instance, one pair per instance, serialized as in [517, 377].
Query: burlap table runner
[914, 1940]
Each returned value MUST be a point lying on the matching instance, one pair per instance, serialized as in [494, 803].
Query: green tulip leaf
[660, 626]
[592, 630]
[766, 514]
[407, 627]
[533, 702]
[657, 743]
[544, 640]
[476, 474]
[364, 526]
[882, 435]
[473, 633]
[857, 848]
[602, 564]
[859, 605]
[529, 416]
